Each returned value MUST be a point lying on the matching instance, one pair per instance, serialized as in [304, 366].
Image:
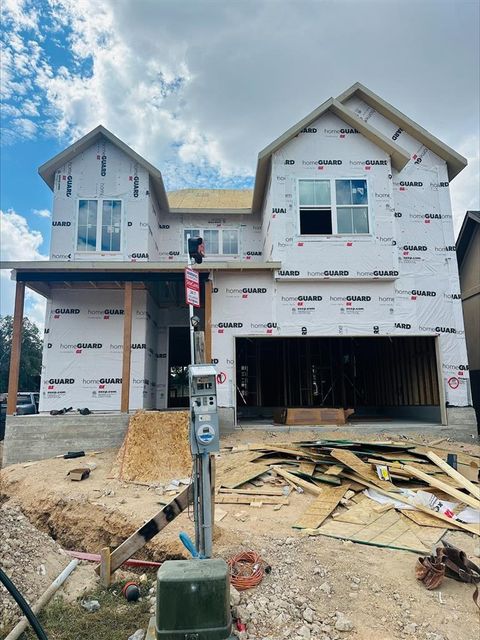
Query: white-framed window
[230, 242]
[99, 225]
[216, 241]
[331, 207]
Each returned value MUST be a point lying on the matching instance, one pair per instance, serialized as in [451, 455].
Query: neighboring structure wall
[470, 285]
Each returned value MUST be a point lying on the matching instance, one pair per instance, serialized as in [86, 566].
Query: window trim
[220, 239]
[334, 208]
[99, 227]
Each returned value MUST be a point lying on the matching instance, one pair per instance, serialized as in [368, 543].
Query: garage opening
[391, 377]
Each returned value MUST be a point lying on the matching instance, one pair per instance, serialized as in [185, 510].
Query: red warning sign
[221, 377]
[453, 383]
[192, 287]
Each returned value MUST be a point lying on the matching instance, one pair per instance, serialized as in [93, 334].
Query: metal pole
[190, 313]
[206, 506]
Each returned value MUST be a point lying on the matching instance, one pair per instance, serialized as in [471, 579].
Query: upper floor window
[329, 207]
[99, 232]
[216, 241]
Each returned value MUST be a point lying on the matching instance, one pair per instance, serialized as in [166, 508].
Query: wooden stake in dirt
[150, 529]
[105, 567]
[454, 474]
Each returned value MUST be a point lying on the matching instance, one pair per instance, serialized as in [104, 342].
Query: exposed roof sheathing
[48, 169]
[234, 200]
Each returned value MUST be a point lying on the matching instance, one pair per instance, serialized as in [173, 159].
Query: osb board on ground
[363, 524]
[155, 449]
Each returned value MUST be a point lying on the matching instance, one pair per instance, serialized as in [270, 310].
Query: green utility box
[193, 600]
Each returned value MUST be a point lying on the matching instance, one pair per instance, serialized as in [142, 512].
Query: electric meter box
[203, 589]
[204, 432]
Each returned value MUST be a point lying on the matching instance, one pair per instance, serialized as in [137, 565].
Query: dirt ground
[375, 588]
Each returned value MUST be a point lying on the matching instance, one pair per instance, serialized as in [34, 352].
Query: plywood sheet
[321, 507]
[240, 475]
[334, 470]
[156, 448]
[308, 468]
[426, 520]
[361, 468]
[389, 529]
[236, 499]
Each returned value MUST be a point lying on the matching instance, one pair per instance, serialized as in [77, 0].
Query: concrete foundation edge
[461, 416]
[41, 437]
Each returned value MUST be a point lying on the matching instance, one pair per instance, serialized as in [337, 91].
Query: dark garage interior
[391, 377]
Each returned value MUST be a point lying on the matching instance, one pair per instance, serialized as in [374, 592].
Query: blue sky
[198, 87]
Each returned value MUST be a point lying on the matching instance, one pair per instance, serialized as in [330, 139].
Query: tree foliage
[31, 356]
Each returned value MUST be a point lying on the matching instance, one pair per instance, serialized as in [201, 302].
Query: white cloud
[212, 83]
[19, 243]
[465, 189]
[42, 213]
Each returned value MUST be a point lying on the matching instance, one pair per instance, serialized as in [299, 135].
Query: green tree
[31, 356]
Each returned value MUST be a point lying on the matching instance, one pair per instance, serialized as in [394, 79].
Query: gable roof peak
[48, 169]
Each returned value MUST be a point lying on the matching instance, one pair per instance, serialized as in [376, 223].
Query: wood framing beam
[208, 321]
[127, 347]
[16, 349]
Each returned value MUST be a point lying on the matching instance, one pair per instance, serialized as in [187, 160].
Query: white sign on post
[192, 287]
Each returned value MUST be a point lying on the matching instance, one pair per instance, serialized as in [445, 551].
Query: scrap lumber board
[236, 499]
[361, 468]
[383, 529]
[241, 475]
[471, 528]
[321, 477]
[453, 473]
[435, 482]
[150, 529]
[462, 457]
[321, 507]
[425, 520]
[335, 470]
[308, 468]
[397, 464]
[263, 491]
[295, 480]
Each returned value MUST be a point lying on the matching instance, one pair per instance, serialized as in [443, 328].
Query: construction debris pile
[29, 557]
[388, 494]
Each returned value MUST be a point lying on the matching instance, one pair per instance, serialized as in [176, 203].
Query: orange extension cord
[247, 570]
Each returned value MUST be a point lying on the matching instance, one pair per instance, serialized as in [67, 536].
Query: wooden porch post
[127, 347]
[16, 348]
[208, 321]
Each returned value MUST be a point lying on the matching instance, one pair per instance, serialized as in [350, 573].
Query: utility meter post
[204, 440]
